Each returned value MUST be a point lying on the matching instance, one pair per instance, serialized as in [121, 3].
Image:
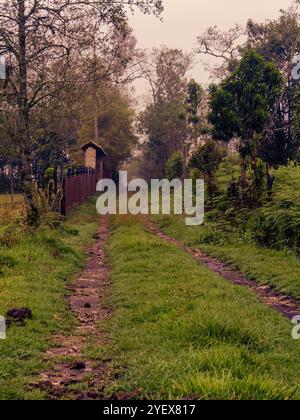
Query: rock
[93, 395]
[18, 316]
[78, 366]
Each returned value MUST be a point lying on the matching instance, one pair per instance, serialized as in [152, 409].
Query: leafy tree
[174, 167]
[165, 133]
[9, 159]
[207, 159]
[278, 41]
[192, 119]
[115, 125]
[161, 121]
[171, 68]
[243, 104]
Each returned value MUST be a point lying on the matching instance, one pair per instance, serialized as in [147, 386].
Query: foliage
[193, 101]
[277, 226]
[193, 121]
[207, 160]
[243, 103]
[278, 41]
[175, 166]
[48, 203]
[162, 120]
[115, 121]
[165, 133]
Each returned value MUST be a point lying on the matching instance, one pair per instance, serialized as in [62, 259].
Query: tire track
[284, 304]
[86, 293]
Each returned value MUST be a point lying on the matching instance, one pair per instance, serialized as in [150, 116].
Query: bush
[277, 226]
[48, 175]
[9, 235]
[7, 261]
[207, 160]
[174, 166]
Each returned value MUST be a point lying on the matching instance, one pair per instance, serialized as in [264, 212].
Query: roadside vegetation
[34, 272]
[181, 331]
[262, 242]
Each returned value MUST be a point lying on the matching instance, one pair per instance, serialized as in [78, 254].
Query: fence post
[63, 209]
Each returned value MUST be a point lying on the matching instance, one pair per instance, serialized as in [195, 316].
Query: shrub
[7, 261]
[207, 160]
[277, 226]
[174, 166]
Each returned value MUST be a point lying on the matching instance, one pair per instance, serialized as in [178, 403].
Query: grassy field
[10, 208]
[182, 331]
[33, 273]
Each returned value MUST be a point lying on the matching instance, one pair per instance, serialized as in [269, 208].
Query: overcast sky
[183, 20]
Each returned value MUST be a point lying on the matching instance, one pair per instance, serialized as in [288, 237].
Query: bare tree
[224, 46]
[36, 35]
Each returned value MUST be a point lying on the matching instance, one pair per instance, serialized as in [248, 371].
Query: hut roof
[94, 145]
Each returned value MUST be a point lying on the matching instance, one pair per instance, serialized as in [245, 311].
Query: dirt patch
[284, 304]
[67, 378]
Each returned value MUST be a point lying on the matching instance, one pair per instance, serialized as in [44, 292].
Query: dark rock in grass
[93, 395]
[78, 366]
[18, 316]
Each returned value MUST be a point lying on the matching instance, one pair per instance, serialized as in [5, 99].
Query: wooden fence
[78, 188]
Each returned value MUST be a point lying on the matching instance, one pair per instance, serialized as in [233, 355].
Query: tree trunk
[184, 161]
[243, 177]
[55, 179]
[26, 161]
[11, 181]
[270, 180]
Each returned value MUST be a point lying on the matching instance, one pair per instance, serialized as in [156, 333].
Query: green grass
[279, 269]
[228, 234]
[34, 271]
[180, 330]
